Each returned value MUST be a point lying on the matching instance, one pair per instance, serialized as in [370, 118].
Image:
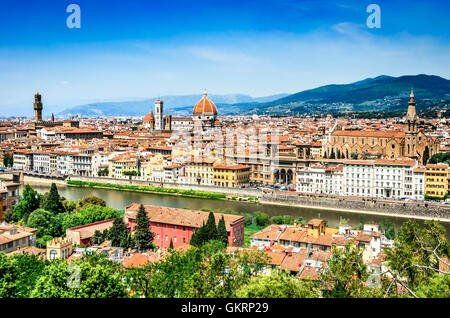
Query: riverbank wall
[43, 180]
[366, 206]
[419, 210]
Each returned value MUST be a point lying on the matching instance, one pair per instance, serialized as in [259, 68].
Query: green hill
[383, 93]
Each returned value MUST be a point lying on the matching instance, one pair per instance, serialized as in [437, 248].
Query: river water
[120, 199]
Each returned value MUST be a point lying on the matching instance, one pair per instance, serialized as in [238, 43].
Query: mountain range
[382, 93]
[173, 104]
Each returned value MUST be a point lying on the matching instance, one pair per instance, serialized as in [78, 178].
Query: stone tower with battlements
[37, 108]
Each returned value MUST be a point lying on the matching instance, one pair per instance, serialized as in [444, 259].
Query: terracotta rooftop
[270, 233]
[138, 259]
[294, 261]
[368, 133]
[191, 218]
[87, 231]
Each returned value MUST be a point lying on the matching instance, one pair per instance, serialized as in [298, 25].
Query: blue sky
[140, 49]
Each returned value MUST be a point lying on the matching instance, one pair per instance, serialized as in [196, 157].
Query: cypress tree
[128, 241]
[222, 231]
[118, 234]
[97, 238]
[143, 235]
[171, 244]
[52, 201]
[198, 238]
[210, 228]
[105, 235]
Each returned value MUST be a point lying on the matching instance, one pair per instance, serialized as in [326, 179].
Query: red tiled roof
[181, 217]
[368, 133]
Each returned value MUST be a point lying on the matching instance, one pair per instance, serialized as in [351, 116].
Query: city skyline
[245, 48]
[229, 150]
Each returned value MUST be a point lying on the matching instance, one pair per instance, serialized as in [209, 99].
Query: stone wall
[42, 180]
[421, 209]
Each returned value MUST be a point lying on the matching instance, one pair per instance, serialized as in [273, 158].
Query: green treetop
[222, 231]
[210, 227]
[52, 201]
[118, 234]
[143, 235]
[29, 202]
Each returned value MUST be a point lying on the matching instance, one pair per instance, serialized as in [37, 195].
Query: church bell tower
[411, 127]
[159, 115]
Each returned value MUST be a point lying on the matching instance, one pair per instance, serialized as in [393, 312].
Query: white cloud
[220, 55]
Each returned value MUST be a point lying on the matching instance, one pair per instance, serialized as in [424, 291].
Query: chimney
[13, 230]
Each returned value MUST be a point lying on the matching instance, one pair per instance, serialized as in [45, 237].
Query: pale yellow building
[59, 248]
[316, 227]
[119, 164]
[154, 161]
[231, 175]
[200, 171]
[316, 150]
[436, 180]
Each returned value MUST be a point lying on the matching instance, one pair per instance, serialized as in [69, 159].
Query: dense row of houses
[152, 167]
[381, 178]
[401, 178]
[302, 250]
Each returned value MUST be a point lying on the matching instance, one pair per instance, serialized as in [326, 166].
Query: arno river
[120, 199]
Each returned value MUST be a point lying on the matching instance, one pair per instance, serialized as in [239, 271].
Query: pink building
[82, 235]
[178, 225]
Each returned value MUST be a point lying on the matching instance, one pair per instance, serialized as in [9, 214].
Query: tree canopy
[118, 234]
[143, 236]
[52, 201]
[222, 234]
[89, 277]
[279, 284]
[416, 254]
[30, 201]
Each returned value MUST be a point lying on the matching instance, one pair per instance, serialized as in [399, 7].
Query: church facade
[411, 142]
[204, 116]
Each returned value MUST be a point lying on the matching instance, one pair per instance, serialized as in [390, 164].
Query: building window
[53, 254]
